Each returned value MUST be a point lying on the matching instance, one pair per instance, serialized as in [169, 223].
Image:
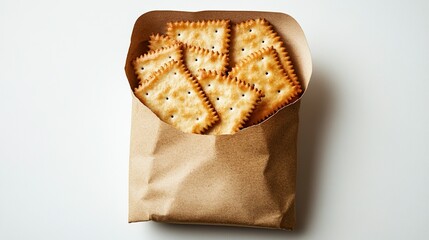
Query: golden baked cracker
[176, 98]
[254, 34]
[212, 34]
[233, 100]
[195, 57]
[158, 41]
[147, 64]
[263, 70]
[199, 58]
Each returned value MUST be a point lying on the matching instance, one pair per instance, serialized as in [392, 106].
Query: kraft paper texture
[246, 179]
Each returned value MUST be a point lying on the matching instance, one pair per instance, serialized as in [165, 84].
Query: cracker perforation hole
[217, 99]
[216, 31]
[213, 47]
[189, 92]
[243, 95]
[169, 56]
[147, 94]
[230, 109]
[172, 116]
[250, 30]
[178, 34]
[278, 91]
[198, 119]
[167, 98]
[196, 59]
[242, 49]
[263, 41]
[266, 73]
[142, 68]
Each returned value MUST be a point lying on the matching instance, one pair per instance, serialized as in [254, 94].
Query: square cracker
[253, 35]
[263, 70]
[211, 35]
[195, 57]
[149, 63]
[176, 98]
[233, 100]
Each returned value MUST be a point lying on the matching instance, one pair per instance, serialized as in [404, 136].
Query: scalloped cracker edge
[254, 34]
[198, 58]
[194, 57]
[211, 34]
[263, 70]
[158, 41]
[233, 100]
[177, 99]
[146, 65]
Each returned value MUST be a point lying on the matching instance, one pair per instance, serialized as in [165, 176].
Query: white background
[65, 108]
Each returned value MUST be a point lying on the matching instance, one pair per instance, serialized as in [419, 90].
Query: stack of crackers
[215, 77]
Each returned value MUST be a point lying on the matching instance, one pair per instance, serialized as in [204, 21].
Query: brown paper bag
[245, 179]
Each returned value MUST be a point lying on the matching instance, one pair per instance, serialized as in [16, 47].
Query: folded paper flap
[243, 179]
[224, 180]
